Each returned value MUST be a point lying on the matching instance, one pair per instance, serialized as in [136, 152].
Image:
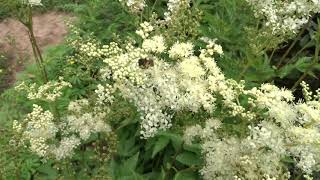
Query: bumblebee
[145, 63]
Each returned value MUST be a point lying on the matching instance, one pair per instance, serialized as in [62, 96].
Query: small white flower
[179, 50]
[154, 44]
[34, 2]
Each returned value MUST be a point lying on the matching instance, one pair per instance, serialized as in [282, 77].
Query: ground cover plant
[168, 89]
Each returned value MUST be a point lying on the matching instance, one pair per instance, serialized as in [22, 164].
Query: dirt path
[50, 29]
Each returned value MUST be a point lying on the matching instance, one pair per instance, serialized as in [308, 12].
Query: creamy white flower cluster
[155, 86]
[153, 116]
[155, 44]
[40, 128]
[33, 2]
[285, 16]
[104, 94]
[145, 29]
[50, 137]
[89, 51]
[48, 92]
[228, 89]
[84, 121]
[180, 50]
[125, 67]
[134, 5]
[282, 129]
[66, 147]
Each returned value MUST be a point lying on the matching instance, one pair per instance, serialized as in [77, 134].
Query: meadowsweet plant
[280, 130]
[159, 87]
[181, 18]
[280, 21]
[134, 6]
[160, 99]
[48, 92]
[155, 86]
[41, 128]
[285, 17]
[87, 49]
[162, 79]
[50, 135]
[50, 138]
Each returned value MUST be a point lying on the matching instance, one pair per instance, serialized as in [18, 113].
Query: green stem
[29, 25]
[154, 5]
[35, 47]
[35, 56]
[273, 51]
[41, 60]
[293, 43]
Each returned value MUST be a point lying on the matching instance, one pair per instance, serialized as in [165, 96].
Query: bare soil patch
[49, 28]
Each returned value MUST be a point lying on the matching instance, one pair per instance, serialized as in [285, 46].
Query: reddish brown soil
[49, 28]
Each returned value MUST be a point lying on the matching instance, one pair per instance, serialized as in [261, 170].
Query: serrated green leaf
[284, 71]
[303, 63]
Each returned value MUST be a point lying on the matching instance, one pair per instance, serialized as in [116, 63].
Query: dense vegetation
[167, 89]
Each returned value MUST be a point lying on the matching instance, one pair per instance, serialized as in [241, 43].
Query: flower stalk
[35, 47]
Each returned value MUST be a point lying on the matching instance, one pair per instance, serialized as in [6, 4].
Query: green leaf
[114, 168]
[160, 145]
[163, 174]
[132, 176]
[132, 162]
[285, 71]
[261, 73]
[189, 159]
[48, 170]
[127, 146]
[155, 175]
[288, 159]
[185, 175]
[195, 148]
[176, 140]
